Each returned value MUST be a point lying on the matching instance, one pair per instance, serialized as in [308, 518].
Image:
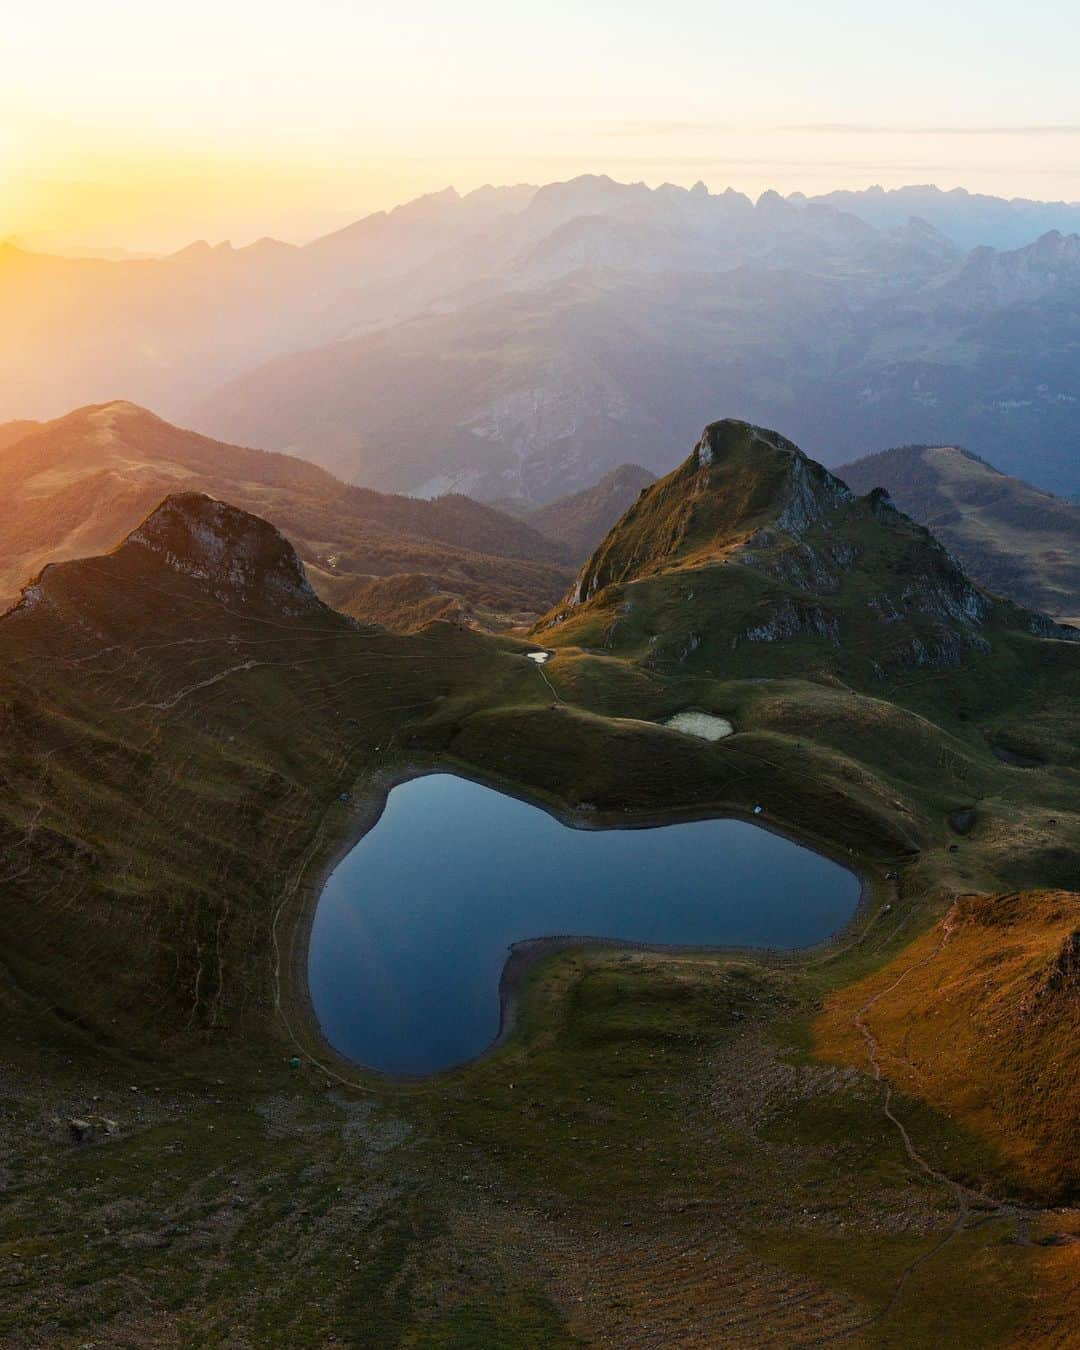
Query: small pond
[414, 925]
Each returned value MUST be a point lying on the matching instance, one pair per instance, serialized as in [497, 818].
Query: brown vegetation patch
[984, 1025]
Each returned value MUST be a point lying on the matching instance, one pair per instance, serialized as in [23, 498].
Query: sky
[144, 126]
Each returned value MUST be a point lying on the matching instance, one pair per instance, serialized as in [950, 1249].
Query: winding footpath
[966, 1198]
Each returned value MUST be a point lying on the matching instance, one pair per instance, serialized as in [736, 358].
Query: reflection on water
[413, 927]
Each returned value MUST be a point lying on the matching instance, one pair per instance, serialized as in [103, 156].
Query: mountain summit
[739, 480]
[239, 556]
[752, 555]
[74, 486]
[240, 560]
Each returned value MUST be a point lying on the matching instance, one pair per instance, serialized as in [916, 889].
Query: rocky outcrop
[240, 557]
[1063, 977]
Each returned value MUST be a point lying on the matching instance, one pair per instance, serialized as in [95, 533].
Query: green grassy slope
[655, 1157]
[581, 520]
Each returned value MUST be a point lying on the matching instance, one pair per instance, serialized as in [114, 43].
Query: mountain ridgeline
[750, 547]
[521, 342]
[603, 322]
[1011, 537]
[74, 486]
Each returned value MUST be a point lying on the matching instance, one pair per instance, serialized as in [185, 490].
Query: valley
[691, 1148]
[539, 677]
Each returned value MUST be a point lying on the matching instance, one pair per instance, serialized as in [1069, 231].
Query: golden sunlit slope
[981, 1017]
[581, 520]
[73, 486]
[10, 432]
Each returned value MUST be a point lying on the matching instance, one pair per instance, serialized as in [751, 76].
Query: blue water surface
[414, 925]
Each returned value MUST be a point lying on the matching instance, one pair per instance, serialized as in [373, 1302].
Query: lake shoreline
[524, 956]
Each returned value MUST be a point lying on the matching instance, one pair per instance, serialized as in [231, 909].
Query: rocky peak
[741, 487]
[801, 490]
[242, 558]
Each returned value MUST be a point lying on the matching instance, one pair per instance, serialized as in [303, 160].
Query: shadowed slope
[1011, 537]
[177, 717]
[581, 520]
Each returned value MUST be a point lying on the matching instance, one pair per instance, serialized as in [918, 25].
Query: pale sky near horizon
[145, 126]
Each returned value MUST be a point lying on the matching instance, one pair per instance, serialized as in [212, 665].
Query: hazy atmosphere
[129, 127]
[539, 676]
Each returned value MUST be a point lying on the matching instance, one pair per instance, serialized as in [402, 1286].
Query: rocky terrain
[521, 342]
[603, 322]
[773, 550]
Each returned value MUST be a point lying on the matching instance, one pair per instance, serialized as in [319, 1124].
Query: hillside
[179, 325]
[533, 387]
[75, 485]
[190, 740]
[540, 392]
[986, 1025]
[777, 556]
[581, 520]
[11, 432]
[1011, 537]
[604, 321]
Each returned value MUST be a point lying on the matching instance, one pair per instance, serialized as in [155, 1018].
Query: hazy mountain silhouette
[523, 341]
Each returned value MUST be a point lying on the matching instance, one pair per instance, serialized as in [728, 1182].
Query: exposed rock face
[241, 557]
[1050, 264]
[1064, 973]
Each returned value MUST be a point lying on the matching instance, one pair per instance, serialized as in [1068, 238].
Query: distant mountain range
[541, 388]
[521, 342]
[1012, 538]
[968, 218]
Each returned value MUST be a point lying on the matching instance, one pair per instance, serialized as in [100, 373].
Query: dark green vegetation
[657, 1158]
[75, 486]
[1010, 537]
